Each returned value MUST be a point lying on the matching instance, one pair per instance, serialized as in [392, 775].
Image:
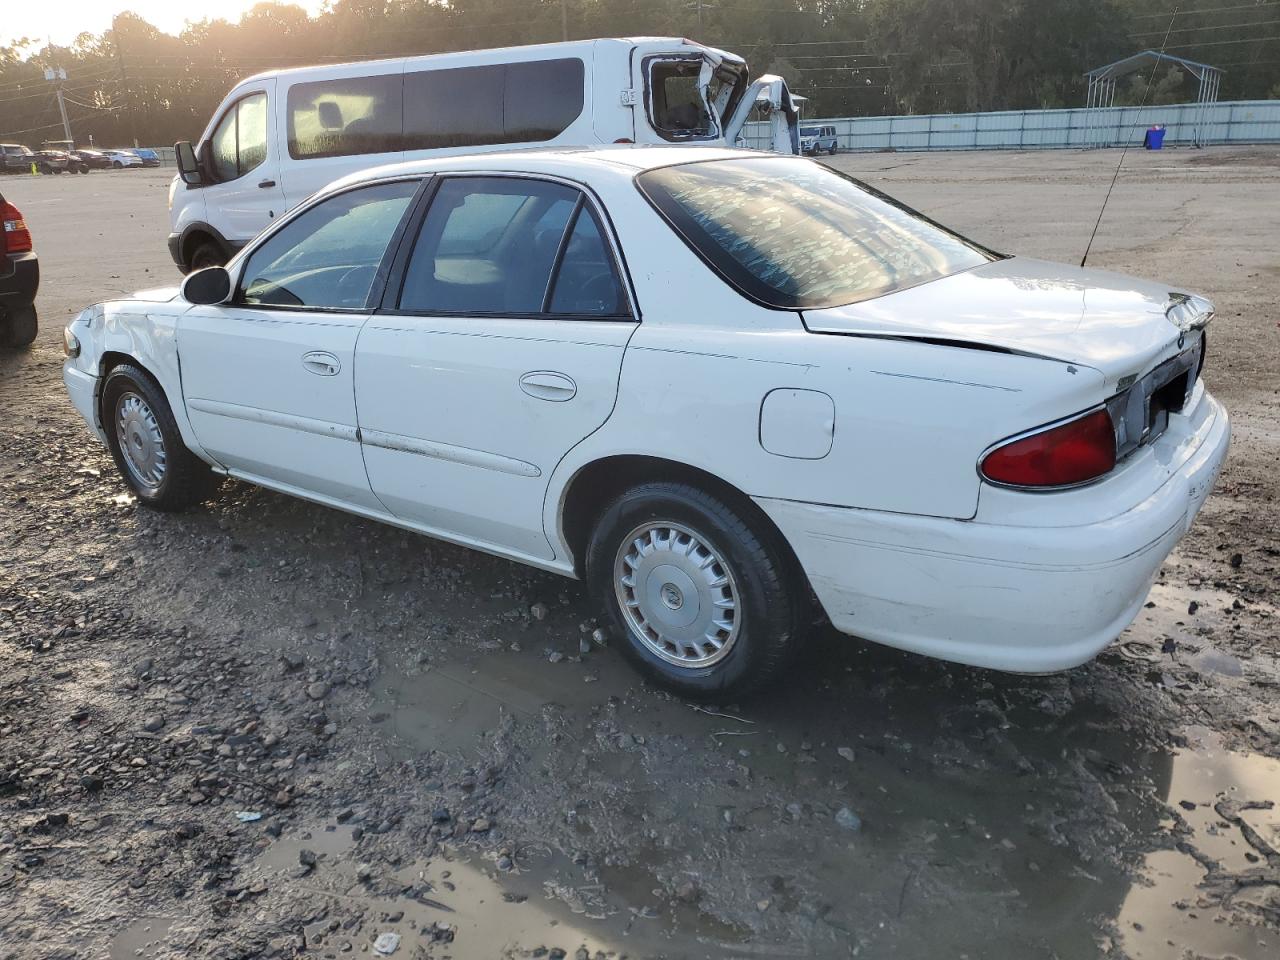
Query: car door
[498, 348]
[242, 162]
[268, 378]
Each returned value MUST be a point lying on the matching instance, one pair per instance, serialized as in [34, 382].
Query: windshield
[795, 234]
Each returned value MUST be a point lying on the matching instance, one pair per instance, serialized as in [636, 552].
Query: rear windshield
[795, 234]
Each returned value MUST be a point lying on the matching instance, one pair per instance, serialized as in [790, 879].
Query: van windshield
[794, 234]
[679, 106]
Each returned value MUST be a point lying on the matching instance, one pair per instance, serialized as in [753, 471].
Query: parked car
[148, 156]
[15, 158]
[19, 278]
[818, 139]
[93, 159]
[707, 382]
[279, 137]
[58, 161]
[121, 159]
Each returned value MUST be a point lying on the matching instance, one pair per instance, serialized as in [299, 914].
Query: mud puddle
[455, 905]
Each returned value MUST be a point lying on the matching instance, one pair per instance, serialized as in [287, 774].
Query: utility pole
[564, 19]
[699, 21]
[58, 76]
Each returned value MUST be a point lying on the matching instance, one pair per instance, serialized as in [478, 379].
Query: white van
[279, 137]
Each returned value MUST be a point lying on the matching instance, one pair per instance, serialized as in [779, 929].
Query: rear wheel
[146, 445]
[834, 148]
[18, 329]
[708, 603]
[117, 164]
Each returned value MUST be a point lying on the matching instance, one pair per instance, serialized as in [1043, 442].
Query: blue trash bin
[1154, 139]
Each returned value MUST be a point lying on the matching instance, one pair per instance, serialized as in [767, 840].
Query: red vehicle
[19, 278]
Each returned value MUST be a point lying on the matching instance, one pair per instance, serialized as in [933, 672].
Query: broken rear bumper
[1017, 596]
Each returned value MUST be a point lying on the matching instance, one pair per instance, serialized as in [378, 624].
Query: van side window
[675, 100]
[239, 142]
[526, 102]
[338, 118]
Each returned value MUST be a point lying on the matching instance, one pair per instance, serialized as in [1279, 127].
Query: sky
[62, 21]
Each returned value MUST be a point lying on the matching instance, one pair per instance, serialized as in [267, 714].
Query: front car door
[268, 379]
[498, 349]
[241, 162]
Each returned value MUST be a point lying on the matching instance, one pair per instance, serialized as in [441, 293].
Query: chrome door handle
[321, 364]
[548, 385]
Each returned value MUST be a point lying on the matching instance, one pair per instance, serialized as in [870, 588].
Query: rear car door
[268, 379]
[498, 348]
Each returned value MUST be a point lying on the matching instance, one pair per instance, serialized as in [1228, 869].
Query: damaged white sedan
[712, 383]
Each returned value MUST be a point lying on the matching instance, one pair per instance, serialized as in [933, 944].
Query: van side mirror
[188, 166]
[207, 287]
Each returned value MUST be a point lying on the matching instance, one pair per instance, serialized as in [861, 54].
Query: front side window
[339, 118]
[239, 142]
[328, 257]
[492, 246]
[795, 234]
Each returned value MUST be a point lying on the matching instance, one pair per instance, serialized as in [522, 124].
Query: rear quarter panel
[911, 419]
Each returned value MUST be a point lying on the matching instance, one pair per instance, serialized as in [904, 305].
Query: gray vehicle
[818, 139]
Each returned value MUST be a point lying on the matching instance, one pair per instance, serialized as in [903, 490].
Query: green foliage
[850, 57]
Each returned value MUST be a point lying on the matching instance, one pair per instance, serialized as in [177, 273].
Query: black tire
[19, 327]
[834, 148]
[187, 480]
[208, 254]
[116, 164]
[771, 594]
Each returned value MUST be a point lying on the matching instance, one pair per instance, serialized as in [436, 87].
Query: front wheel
[146, 445]
[207, 254]
[117, 165]
[705, 596]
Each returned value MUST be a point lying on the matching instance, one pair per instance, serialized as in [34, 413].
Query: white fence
[1243, 121]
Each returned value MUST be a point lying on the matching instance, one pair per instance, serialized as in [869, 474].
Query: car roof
[572, 162]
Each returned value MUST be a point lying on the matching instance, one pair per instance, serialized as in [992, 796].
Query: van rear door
[685, 94]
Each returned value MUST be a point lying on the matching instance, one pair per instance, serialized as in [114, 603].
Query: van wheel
[146, 445]
[207, 254]
[18, 329]
[834, 148]
[707, 603]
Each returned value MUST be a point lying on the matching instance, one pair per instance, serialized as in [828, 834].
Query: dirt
[268, 729]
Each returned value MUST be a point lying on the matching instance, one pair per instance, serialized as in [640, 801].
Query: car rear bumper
[19, 280]
[1022, 598]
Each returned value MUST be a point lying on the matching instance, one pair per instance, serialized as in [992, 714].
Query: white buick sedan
[714, 384]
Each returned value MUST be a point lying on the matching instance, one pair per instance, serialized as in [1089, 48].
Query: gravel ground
[267, 729]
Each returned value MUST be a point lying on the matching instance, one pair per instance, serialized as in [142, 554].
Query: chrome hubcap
[677, 594]
[141, 442]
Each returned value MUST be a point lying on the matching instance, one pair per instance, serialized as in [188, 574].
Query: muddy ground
[268, 729]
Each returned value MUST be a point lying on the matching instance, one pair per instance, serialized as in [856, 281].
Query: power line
[1221, 26]
[1196, 13]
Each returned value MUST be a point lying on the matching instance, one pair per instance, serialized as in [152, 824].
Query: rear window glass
[795, 234]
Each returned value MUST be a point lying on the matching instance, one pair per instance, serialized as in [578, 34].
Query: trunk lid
[1118, 325]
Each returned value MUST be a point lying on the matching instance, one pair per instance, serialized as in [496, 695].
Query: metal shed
[1102, 90]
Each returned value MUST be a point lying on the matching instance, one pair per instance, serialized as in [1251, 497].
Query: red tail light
[1075, 452]
[17, 238]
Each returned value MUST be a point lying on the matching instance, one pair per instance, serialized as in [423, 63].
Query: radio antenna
[1116, 175]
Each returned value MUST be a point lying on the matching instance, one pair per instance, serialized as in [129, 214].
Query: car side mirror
[207, 287]
[188, 166]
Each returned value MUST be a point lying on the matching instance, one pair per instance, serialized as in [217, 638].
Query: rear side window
[338, 118]
[795, 234]
[239, 142]
[328, 257]
[511, 247]
[529, 102]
